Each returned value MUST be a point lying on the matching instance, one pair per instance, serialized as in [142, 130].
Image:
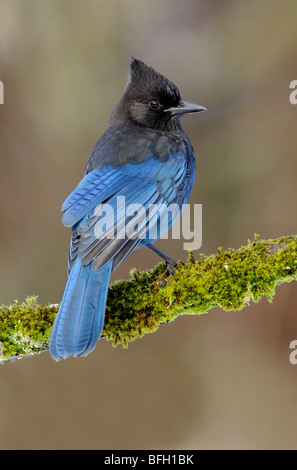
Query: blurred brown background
[220, 381]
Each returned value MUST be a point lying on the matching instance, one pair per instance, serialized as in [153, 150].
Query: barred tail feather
[80, 319]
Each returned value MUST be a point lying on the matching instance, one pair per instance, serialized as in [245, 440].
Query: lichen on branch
[229, 279]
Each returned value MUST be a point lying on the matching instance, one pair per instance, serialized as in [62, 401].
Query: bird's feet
[171, 265]
[170, 262]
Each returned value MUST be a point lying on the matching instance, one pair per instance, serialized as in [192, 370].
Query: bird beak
[186, 107]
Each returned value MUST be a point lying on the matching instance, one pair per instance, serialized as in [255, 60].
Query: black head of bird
[151, 100]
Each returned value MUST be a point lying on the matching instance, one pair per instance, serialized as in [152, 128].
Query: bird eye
[154, 105]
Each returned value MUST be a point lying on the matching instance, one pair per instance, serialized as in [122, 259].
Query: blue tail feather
[80, 319]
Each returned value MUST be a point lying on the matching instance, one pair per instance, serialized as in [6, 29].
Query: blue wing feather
[153, 184]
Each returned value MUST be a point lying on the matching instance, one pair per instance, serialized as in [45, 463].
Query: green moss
[230, 279]
[25, 327]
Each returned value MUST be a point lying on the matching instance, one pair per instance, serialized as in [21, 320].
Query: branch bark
[229, 279]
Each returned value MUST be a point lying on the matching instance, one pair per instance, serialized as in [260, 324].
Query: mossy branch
[229, 279]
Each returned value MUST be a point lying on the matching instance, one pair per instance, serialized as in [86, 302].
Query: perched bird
[144, 160]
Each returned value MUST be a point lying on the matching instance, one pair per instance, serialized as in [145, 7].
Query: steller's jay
[144, 160]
